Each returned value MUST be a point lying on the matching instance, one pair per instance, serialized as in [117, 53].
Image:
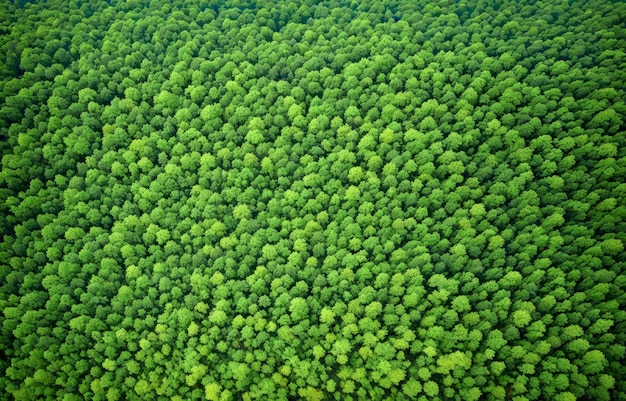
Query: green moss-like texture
[315, 200]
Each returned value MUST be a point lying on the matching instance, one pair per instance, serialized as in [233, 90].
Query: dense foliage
[402, 200]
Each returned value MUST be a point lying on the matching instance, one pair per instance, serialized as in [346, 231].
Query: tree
[431, 388]
[521, 318]
[593, 361]
[412, 387]
[292, 202]
[298, 308]
[212, 391]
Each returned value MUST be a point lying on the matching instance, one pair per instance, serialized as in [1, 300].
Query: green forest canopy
[237, 200]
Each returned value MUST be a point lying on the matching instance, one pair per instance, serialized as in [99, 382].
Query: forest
[313, 200]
